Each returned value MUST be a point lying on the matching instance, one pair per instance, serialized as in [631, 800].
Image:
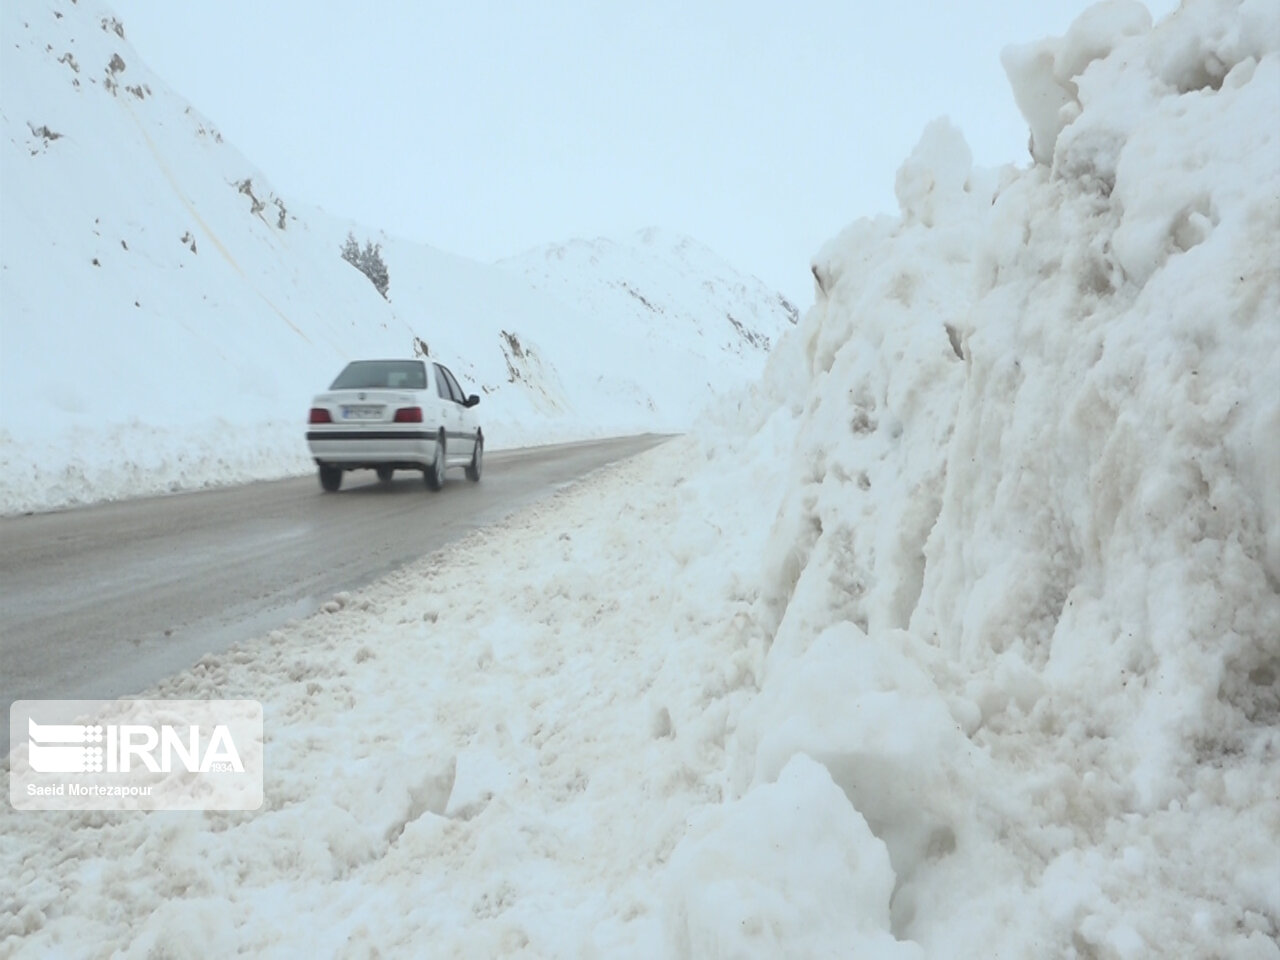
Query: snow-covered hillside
[586, 363]
[664, 284]
[167, 313]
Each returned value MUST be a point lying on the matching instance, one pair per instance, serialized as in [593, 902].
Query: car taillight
[409, 415]
[319, 415]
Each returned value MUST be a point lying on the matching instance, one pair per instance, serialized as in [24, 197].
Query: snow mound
[1026, 575]
[732, 895]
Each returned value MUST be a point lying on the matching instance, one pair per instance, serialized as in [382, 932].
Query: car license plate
[361, 412]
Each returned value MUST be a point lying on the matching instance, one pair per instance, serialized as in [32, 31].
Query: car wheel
[330, 478]
[435, 473]
[386, 473]
[477, 461]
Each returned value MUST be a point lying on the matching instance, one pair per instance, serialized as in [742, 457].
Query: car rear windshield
[374, 374]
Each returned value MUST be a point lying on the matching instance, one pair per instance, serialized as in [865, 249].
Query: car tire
[386, 473]
[477, 461]
[330, 478]
[434, 474]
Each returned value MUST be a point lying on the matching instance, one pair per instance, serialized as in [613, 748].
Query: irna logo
[135, 754]
[119, 748]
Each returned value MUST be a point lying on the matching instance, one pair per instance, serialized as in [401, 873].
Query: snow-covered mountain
[167, 313]
[665, 284]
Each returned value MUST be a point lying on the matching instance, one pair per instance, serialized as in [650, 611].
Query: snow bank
[1025, 578]
[489, 753]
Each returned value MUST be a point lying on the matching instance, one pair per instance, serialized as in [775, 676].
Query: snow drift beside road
[489, 753]
[1026, 579]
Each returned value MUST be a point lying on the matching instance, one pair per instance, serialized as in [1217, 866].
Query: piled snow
[167, 315]
[815, 880]
[490, 753]
[1026, 579]
[958, 636]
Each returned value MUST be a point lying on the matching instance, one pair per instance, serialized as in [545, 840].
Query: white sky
[487, 128]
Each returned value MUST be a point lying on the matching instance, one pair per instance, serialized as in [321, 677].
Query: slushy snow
[957, 635]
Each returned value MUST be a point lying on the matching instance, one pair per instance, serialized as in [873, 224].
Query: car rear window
[373, 374]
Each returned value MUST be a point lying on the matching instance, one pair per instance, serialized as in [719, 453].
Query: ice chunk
[790, 870]
[1043, 73]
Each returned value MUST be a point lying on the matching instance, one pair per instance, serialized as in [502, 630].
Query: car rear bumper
[345, 447]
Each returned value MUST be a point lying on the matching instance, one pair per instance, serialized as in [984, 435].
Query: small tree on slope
[368, 261]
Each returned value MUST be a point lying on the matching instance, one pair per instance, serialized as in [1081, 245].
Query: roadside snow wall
[1026, 576]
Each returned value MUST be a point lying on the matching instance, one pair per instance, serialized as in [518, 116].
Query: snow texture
[167, 315]
[1026, 580]
[957, 635]
[489, 753]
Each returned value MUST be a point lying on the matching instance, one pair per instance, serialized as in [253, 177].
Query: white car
[389, 415]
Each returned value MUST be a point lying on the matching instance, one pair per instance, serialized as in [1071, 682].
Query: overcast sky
[485, 128]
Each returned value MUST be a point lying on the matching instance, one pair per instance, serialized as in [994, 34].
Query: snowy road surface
[103, 601]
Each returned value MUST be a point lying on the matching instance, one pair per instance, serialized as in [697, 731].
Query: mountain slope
[665, 284]
[167, 313]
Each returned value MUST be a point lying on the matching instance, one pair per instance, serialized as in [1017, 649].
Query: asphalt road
[100, 602]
